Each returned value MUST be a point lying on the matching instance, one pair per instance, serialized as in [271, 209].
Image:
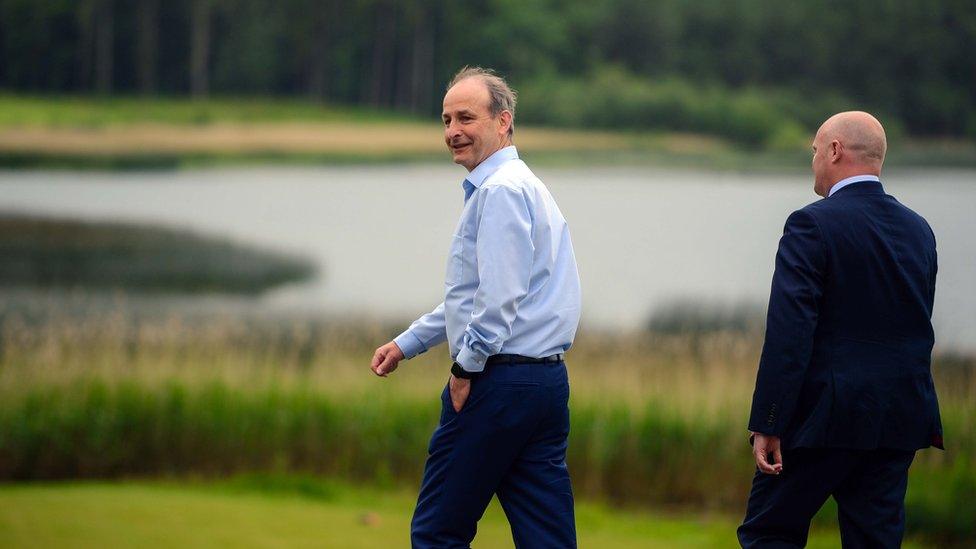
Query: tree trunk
[318, 57]
[414, 69]
[403, 55]
[104, 47]
[422, 79]
[382, 64]
[316, 70]
[148, 14]
[86, 40]
[200, 48]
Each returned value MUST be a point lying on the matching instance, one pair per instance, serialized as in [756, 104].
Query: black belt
[519, 359]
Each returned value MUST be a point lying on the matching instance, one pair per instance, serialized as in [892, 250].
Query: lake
[645, 238]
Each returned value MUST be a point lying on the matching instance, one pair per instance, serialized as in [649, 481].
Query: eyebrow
[459, 113]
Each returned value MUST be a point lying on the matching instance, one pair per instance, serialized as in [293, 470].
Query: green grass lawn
[146, 514]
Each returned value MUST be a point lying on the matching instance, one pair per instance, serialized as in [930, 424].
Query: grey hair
[502, 97]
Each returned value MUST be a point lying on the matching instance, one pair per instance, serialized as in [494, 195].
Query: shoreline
[165, 134]
[916, 155]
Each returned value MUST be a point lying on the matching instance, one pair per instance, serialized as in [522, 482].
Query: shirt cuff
[409, 344]
[470, 360]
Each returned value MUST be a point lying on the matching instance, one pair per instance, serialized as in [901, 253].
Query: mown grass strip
[204, 515]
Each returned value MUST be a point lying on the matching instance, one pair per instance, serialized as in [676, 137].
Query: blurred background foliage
[759, 72]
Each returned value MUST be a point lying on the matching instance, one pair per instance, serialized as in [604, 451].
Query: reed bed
[657, 419]
[53, 252]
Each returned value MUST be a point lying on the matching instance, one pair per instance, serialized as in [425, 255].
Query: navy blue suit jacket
[847, 358]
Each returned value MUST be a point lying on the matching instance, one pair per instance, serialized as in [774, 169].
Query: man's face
[470, 132]
[820, 164]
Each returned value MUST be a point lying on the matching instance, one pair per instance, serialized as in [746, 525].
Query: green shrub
[779, 119]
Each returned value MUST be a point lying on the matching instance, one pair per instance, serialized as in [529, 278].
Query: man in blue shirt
[511, 308]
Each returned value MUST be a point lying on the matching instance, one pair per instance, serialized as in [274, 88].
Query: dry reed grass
[341, 138]
[120, 394]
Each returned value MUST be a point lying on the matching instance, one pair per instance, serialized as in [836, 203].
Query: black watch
[461, 373]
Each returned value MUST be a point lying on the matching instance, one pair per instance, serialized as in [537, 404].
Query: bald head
[860, 133]
[847, 144]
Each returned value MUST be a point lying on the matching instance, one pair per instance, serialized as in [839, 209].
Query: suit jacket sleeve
[791, 320]
[935, 270]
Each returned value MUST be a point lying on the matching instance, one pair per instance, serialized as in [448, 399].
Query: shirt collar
[490, 165]
[853, 179]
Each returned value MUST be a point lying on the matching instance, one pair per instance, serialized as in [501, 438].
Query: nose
[453, 129]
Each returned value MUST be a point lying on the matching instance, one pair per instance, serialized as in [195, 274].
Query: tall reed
[656, 419]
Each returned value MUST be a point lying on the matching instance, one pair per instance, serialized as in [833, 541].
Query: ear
[504, 122]
[836, 151]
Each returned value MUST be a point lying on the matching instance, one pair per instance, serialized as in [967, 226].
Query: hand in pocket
[459, 389]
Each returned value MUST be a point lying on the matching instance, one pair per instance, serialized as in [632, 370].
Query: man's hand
[460, 388]
[762, 446]
[386, 359]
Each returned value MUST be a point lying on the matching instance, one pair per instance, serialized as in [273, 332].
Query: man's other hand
[386, 359]
[460, 388]
[762, 447]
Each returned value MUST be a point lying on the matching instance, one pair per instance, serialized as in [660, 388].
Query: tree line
[911, 59]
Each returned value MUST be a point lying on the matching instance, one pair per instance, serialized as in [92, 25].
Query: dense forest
[604, 63]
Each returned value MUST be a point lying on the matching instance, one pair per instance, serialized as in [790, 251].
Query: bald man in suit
[844, 394]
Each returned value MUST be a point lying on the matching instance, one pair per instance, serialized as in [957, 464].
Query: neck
[851, 171]
[504, 144]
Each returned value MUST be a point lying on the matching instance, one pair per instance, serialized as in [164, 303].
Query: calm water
[645, 238]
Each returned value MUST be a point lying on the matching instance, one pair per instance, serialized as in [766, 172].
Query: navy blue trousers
[868, 485]
[508, 439]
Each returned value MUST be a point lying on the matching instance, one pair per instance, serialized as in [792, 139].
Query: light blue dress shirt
[847, 181]
[511, 286]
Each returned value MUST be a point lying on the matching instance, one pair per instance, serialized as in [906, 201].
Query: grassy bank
[657, 419]
[52, 252]
[133, 132]
[76, 132]
[299, 513]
